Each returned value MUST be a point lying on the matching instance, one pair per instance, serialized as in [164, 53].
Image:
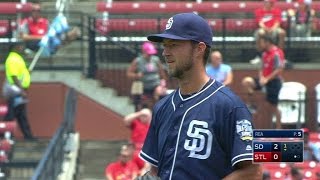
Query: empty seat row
[129, 25]
[175, 7]
[14, 7]
[309, 169]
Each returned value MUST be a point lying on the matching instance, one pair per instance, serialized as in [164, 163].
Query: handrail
[50, 165]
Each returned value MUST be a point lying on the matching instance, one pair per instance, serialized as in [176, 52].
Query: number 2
[275, 146]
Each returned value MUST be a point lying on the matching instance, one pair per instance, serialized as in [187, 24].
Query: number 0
[275, 146]
[275, 156]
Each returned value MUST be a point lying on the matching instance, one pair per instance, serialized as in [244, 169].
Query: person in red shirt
[124, 168]
[141, 164]
[268, 19]
[270, 78]
[139, 123]
[33, 28]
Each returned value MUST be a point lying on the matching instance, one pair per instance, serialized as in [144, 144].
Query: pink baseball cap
[148, 48]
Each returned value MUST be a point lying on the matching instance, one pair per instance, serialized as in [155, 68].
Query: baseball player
[202, 130]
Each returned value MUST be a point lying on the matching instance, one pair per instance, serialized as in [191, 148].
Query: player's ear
[201, 47]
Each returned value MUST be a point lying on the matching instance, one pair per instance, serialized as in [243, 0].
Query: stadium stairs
[94, 156]
[26, 151]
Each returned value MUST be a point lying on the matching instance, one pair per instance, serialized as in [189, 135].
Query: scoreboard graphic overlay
[277, 145]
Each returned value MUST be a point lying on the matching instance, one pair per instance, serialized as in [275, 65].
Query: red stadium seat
[3, 157]
[175, 7]
[309, 174]
[126, 25]
[5, 145]
[9, 126]
[307, 165]
[313, 135]
[4, 27]
[278, 174]
[275, 166]
[3, 108]
[14, 7]
[241, 25]
[216, 24]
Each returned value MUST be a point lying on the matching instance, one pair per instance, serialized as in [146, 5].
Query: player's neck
[193, 84]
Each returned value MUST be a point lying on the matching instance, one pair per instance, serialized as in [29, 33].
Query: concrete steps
[94, 156]
[26, 151]
[89, 87]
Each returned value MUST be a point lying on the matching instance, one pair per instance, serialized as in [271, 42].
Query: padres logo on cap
[169, 23]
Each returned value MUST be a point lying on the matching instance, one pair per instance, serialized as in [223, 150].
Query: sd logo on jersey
[200, 140]
[244, 129]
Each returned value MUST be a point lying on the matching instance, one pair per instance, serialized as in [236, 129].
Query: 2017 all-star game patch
[244, 129]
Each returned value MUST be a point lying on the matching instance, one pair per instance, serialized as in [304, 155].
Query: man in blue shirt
[202, 130]
[218, 70]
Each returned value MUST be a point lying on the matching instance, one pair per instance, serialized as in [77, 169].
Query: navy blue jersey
[199, 137]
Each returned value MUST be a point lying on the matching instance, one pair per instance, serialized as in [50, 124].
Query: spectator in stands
[124, 168]
[218, 70]
[35, 27]
[139, 123]
[141, 164]
[301, 19]
[269, 20]
[147, 71]
[15, 88]
[269, 76]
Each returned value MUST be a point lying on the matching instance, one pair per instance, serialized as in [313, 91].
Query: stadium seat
[175, 7]
[4, 27]
[292, 102]
[9, 126]
[241, 25]
[317, 88]
[309, 174]
[278, 174]
[5, 145]
[14, 7]
[275, 166]
[3, 109]
[129, 25]
[3, 157]
[314, 136]
[307, 165]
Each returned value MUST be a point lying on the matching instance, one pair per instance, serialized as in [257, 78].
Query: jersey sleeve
[149, 152]
[241, 125]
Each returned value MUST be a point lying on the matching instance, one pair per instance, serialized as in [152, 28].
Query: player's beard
[180, 68]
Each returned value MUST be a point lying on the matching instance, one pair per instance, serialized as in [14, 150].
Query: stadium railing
[50, 164]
